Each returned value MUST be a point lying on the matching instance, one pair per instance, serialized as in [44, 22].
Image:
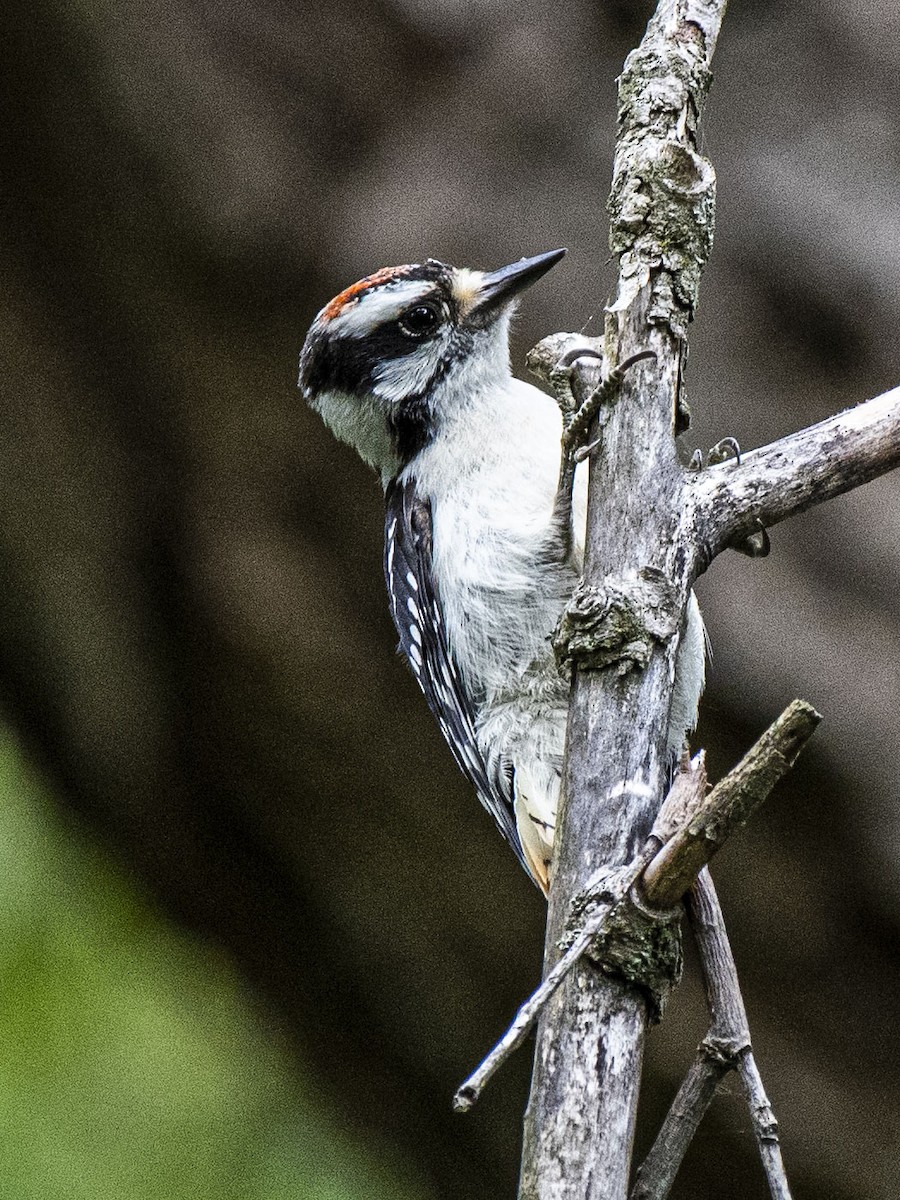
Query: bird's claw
[577, 423]
[583, 452]
[727, 448]
[571, 357]
[722, 451]
[757, 544]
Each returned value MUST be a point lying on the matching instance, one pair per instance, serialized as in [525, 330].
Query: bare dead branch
[726, 1047]
[729, 1035]
[728, 806]
[782, 479]
[580, 1121]
[685, 797]
[652, 528]
[657, 1172]
[765, 1127]
[470, 1091]
[697, 826]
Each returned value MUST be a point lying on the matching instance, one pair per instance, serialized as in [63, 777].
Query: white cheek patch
[399, 378]
[359, 318]
[360, 423]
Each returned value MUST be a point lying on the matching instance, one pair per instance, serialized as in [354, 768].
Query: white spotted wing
[416, 610]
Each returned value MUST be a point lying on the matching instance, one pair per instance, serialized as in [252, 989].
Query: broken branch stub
[729, 805]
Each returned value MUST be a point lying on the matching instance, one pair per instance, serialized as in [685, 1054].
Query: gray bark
[581, 1114]
[649, 519]
[792, 474]
[726, 1047]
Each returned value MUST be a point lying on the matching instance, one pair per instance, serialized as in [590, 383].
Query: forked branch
[653, 527]
[690, 828]
[726, 1047]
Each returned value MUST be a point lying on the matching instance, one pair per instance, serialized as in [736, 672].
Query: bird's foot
[728, 447]
[756, 544]
[722, 451]
[578, 416]
[578, 420]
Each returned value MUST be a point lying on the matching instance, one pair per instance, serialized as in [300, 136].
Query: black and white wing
[416, 609]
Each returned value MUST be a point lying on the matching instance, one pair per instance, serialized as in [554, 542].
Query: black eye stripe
[350, 364]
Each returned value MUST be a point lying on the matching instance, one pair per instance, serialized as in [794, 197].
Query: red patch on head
[351, 294]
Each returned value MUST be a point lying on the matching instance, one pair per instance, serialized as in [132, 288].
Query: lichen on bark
[662, 203]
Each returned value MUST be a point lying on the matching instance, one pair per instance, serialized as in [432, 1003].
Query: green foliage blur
[131, 1063]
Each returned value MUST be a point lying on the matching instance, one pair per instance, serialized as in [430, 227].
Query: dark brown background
[193, 634]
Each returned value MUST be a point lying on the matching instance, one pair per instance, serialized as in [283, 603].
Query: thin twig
[726, 1047]
[657, 1172]
[468, 1092]
[729, 1033]
[685, 797]
[765, 1127]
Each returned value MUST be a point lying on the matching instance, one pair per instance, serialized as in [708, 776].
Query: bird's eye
[418, 322]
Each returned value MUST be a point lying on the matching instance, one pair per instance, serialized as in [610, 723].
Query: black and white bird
[411, 367]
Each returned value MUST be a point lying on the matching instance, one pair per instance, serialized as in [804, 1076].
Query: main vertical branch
[581, 1114]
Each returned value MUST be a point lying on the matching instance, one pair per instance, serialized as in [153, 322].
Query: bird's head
[385, 359]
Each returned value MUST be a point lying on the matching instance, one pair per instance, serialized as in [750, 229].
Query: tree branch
[470, 1090]
[688, 830]
[579, 1125]
[782, 479]
[725, 1048]
[729, 805]
[652, 528]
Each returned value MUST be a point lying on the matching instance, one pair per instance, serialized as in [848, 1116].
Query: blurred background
[244, 950]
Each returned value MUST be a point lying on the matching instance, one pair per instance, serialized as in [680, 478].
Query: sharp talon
[757, 545]
[579, 421]
[572, 356]
[586, 451]
[635, 358]
[696, 463]
[617, 374]
[727, 448]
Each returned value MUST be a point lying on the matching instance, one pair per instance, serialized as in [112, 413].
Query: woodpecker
[484, 538]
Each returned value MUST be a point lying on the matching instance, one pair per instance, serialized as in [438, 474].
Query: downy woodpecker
[411, 367]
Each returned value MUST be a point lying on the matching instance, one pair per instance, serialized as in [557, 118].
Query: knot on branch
[724, 1050]
[617, 624]
[635, 943]
[626, 918]
[765, 1124]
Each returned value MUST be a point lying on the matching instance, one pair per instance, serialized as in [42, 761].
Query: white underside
[492, 481]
